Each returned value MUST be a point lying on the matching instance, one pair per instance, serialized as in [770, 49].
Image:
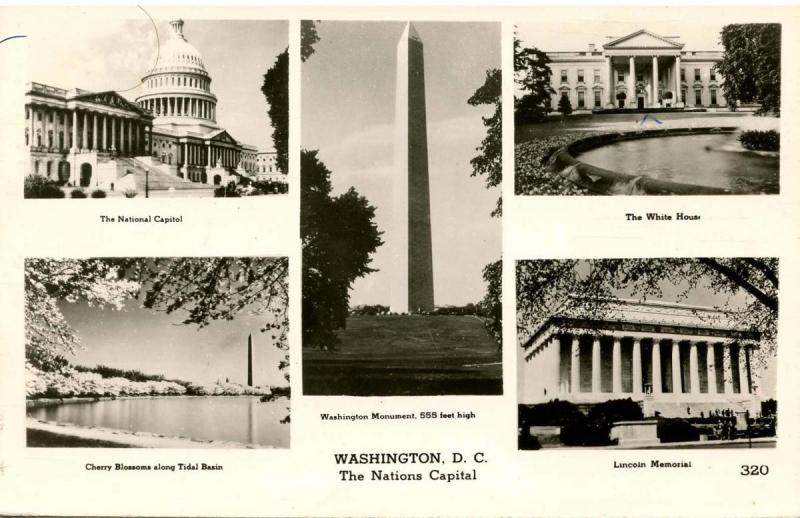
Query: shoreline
[124, 438]
[45, 402]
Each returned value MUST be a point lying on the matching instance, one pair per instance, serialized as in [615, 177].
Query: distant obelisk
[250, 360]
[412, 266]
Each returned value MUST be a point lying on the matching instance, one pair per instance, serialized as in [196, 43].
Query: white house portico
[638, 71]
[672, 358]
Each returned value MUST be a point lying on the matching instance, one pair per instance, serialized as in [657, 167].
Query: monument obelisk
[250, 360]
[412, 258]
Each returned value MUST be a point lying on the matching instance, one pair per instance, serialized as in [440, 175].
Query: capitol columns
[113, 134]
[74, 142]
[94, 131]
[31, 127]
[85, 132]
[55, 142]
[105, 132]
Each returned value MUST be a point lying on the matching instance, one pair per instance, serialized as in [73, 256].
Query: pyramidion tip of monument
[411, 32]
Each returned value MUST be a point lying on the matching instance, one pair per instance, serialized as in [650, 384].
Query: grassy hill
[406, 355]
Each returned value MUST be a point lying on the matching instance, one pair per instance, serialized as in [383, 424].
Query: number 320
[754, 470]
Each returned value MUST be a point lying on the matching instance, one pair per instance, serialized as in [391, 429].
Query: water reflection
[694, 159]
[238, 419]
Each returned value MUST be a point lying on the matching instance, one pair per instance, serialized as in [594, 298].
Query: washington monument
[250, 360]
[412, 266]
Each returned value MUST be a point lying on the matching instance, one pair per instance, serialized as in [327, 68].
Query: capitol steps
[156, 180]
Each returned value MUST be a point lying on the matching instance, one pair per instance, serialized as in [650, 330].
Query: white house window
[580, 76]
[597, 100]
[697, 74]
[581, 99]
[563, 76]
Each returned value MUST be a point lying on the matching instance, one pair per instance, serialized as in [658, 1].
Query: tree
[543, 286]
[532, 76]
[751, 65]
[49, 338]
[338, 235]
[204, 289]
[276, 91]
[490, 160]
[564, 105]
[492, 303]
[308, 38]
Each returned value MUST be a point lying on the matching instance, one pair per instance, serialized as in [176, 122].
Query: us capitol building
[640, 70]
[169, 134]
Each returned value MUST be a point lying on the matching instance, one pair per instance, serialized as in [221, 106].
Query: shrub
[37, 186]
[98, 194]
[755, 140]
[668, 95]
[77, 193]
[564, 105]
[769, 407]
[130, 193]
[676, 430]
[616, 410]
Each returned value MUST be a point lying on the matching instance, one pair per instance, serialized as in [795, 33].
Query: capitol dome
[177, 53]
[178, 89]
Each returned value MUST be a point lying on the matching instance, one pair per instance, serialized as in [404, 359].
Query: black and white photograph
[144, 107]
[157, 352]
[400, 208]
[647, 353]
[662, 107]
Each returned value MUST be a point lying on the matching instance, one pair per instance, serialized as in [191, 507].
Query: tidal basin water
[713, 160]
[220, 418]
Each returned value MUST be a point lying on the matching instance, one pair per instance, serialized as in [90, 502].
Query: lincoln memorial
[675, 359]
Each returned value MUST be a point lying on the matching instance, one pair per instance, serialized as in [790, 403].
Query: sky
[156, 343]
[101, 49]
[348, 105]
[576, 36]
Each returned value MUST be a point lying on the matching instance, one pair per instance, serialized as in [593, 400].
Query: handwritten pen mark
[13, 37]
[648, 116]
[158, 49]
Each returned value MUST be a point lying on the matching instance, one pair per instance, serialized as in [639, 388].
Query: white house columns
[631, 100]
[654, 83]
